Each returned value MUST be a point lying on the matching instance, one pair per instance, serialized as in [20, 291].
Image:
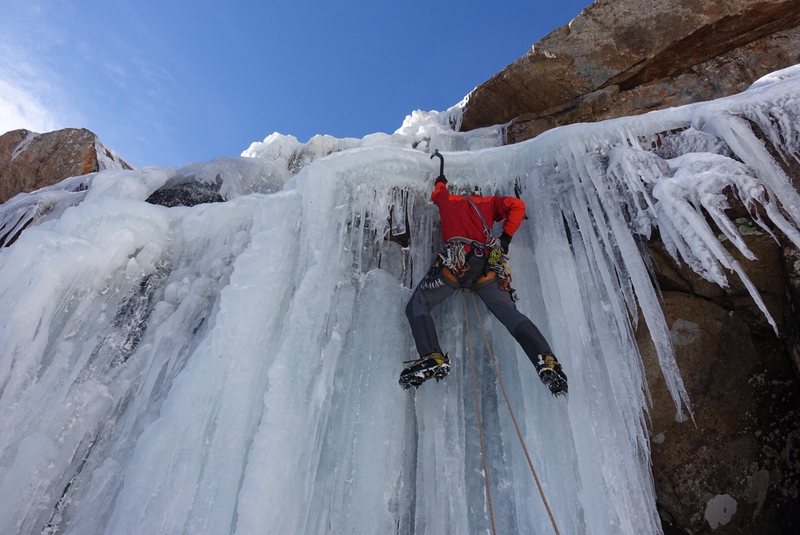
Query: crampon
[431, 366]
[552, 375]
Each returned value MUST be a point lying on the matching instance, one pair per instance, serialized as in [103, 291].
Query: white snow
[232, 367]
[684, 333]
[29, 137]
[109, 159]
[719, 510]
[776, 76]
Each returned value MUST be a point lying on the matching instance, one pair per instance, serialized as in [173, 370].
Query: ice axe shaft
[441, 161]
[518, 191]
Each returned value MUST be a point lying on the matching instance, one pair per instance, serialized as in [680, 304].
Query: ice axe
[518, 191]
[441, 162]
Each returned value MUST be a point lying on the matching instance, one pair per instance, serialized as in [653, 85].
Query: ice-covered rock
[231, 367]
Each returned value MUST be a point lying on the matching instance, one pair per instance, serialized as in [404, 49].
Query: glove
[440, 178]
[505, 239]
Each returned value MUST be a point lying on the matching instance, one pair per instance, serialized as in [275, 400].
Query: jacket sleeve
[440, 194]
[510, 210]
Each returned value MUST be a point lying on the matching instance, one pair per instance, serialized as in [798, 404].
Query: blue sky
[172, 82]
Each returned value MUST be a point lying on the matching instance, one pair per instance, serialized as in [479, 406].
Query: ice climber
[473, 259]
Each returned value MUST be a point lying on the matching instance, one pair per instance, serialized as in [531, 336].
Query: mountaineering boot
[433, 365]
[551, 374]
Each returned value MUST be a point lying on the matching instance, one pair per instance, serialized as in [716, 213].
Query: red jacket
[460, 219]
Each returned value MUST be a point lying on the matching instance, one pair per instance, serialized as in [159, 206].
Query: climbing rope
[510, 411]
[484, 464]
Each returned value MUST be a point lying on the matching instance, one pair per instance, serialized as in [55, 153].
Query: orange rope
[484, 465]
[511, 412]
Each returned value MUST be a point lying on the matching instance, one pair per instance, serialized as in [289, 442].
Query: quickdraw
[453, 256]
[498, 262]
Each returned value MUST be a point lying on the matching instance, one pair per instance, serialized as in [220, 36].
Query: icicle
[739, 136]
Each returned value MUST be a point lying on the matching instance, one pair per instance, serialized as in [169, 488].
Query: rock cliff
[734, 469]
[29, 161]
[625, 57]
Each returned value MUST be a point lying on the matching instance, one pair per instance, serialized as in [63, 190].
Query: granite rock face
[625, 57]
[29, 161]
[734, 469]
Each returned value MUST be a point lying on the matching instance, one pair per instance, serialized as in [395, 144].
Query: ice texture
[232, 367]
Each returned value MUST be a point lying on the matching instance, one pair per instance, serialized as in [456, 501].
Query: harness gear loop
[500, 382]
[454, 257]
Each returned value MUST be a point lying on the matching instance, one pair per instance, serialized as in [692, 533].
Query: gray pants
[437, 286]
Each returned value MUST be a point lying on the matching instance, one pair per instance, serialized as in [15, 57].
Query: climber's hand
[505, 239]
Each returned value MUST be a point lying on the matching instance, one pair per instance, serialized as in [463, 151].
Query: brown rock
[791, 262]
[618, 58]
[679, 277]
[744, 397]
[766, 273]
[29, 161]
[744, 391]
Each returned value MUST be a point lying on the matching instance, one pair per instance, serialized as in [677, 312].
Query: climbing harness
[498, 261]
[454, 255]
[433, 279]
[502, 386]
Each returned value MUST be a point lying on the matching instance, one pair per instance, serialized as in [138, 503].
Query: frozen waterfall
[231, 367]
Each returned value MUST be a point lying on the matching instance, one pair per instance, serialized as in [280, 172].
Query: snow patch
[23, 145]
[776, 76]
[719, 510]
[684, 333]
[109, 159]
